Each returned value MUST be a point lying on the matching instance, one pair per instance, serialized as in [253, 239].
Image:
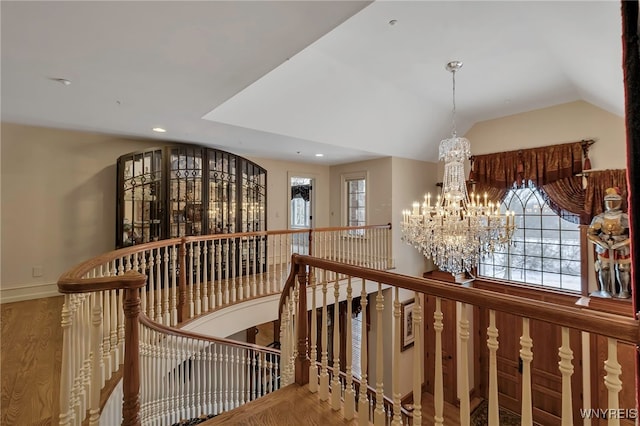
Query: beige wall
[562, 123]
[378, 204]
[569, 122]
[411, 179]
[58, 200]
[58, 203]
[278, 173]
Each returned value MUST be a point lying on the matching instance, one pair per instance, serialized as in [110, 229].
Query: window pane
[550, 222]
[532, 221]
[518, 247]
[570, 282]
[551, 250]
[546, 248]
[570, 268]
[533, 277]
[533, 249]
[570, 253]
[551, 265]
[517, 274]
[565, 224]
[570, 237]
[551, 280]
[356, 198]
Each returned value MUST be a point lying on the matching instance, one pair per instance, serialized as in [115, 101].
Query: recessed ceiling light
[62, 81]
[319, 155]
[159, 130]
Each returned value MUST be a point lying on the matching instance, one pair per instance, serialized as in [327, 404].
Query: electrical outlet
[36, 271]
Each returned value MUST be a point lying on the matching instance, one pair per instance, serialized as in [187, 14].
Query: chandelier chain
[453, 116]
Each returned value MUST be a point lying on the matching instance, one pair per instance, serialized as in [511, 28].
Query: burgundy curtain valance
[539, 166]
[556, 171]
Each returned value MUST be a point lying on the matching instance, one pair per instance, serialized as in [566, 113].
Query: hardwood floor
[31, 354]
[291, 405]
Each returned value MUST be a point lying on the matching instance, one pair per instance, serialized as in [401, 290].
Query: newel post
[302, 361]
[183, 306]
[131, 367]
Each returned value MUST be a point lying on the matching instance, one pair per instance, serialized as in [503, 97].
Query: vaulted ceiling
[291, 79]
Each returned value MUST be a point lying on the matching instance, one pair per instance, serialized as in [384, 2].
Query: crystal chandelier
[458, 229]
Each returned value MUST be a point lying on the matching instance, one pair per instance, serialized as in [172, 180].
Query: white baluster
[527, 356]
[324, 374]
[113, 330]
[151, 282]
[190, 287]
[66, 367]
[195, 259]
[235, 287]
[378, 418]
[465, 415]
[438, 393]
[418, 359]
[142, 268]
[120, 324]
[363, 403]
[96, 359]
[205, 278]
[106, 336]
[253, 254]
[247, 271]
[349, 394]
[397, 418]
[566, 369]
[335, 384]
[612, 379]
[174, 285]
[492, 344]
[166, 302]
[313, 350]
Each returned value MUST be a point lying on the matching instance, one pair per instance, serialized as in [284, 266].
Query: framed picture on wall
[406, 326]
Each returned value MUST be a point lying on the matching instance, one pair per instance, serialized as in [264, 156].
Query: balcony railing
[316, 283]
[170, 282]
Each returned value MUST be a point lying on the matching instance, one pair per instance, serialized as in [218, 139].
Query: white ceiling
[294, 78]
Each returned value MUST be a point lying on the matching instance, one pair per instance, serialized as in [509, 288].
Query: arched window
[545, 249]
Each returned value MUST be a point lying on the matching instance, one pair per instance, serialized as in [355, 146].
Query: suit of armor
[609, 231]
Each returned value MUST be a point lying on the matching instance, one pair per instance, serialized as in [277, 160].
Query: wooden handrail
[68, 284]
[178, 332]
[618, 327]
[120, 270]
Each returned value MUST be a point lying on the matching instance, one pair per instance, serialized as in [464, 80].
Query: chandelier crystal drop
[458, 229]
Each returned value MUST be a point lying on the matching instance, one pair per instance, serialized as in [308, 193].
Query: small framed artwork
[406, 326]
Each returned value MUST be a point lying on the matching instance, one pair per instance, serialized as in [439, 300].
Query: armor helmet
[612, 198]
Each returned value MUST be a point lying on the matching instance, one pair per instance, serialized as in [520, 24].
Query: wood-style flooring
[30, 361]
[292, 405]
[295, 405]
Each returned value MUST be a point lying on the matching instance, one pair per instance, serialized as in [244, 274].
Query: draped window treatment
[554, 170]
[597, 183]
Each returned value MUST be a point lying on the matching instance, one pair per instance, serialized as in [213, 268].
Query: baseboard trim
[28, 292]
